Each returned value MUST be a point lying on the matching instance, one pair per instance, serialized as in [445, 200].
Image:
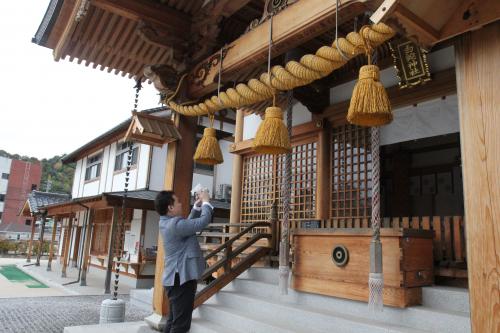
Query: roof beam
[293, 26]
[150, 11]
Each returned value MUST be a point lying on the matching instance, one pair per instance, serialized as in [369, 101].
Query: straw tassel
[272, 135]
[370, 105]
[208, 151]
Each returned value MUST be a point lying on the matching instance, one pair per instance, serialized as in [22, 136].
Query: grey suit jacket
[182, 251]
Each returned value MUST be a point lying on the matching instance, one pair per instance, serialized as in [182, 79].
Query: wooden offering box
[407, 263]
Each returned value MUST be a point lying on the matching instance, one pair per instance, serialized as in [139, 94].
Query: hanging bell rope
[286, 193]
[272, 136]
[208, 151]
[370, 105]
[294, 74]
[376, 276]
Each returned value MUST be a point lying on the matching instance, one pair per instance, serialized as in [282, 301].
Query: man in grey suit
[184, 262]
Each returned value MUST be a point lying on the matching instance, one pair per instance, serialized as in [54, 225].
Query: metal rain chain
[119, 248]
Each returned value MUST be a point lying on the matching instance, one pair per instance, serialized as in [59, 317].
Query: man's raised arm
[188, 227]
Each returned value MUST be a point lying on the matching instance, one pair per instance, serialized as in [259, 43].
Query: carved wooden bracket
[164, 78]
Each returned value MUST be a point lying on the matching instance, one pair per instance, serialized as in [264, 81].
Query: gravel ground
[52, 314]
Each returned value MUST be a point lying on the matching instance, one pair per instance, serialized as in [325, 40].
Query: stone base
[155, 321]
[112, 311]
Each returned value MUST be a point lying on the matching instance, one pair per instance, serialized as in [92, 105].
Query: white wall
[110, 181]
[151, 232]
[158, 163]
[431, 118]
[142, 167]
[224, 171]
[110, 170]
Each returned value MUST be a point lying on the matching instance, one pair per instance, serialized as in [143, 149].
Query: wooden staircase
[231, 262]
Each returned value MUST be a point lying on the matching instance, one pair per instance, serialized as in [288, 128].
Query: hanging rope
[286, 189]
[376, 277]
[121, 233]
[310, 68]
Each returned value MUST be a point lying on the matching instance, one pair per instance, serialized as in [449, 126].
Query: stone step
[303, 318]
[446, 298]
[142, 298]
[200, 325]
[235, 320]
[127, 327]
[263, 283]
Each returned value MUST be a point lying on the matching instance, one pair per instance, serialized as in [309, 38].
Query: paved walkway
[53, 279]
[52, 314]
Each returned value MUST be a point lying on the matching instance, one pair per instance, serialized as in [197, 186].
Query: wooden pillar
[478, 70]
[76, 246]
[236, 182]
[40, 241]
[30, 246]
[111, 250]
[86, 247]
[51, 248]
[178, 177]
[67, 240]
[324, 169]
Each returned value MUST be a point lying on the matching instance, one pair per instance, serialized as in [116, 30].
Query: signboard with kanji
[411, 63]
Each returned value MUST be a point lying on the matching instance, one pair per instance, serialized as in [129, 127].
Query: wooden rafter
[158, 14]
[293, 26]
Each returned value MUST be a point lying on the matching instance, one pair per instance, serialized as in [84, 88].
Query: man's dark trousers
[181, 300]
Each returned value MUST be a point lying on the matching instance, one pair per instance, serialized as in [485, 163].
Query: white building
[4, 181]
[100, 171]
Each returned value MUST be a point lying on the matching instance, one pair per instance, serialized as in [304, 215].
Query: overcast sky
[51, 108]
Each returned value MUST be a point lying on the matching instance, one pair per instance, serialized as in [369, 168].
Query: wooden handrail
[231, 240]
[233, 254]
[229, 276]
[230, 272]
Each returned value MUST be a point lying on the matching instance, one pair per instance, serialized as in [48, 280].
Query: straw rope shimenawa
[310, 68]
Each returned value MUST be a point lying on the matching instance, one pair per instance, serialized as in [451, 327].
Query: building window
[5, 175]
[27, 222]
[2, 197]
[121, 156]
[93, 167]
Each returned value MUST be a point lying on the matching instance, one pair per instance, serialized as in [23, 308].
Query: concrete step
[127, 327]
[235, 320]
[200, 325]
[263, 283]
[142, 298]
[303, 318]
[446, 298]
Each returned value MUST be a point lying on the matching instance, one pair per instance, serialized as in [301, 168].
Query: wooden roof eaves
[49, 19]
[114, 134]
